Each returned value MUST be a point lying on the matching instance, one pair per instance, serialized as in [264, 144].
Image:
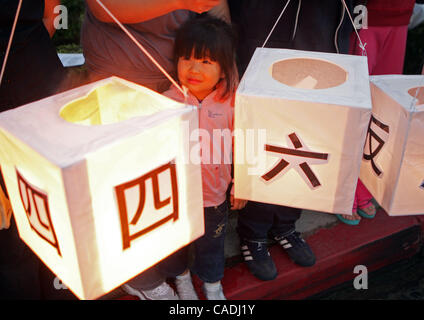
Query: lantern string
[414, 99]
[184, 92]
[361, 44]
[10, 40]
[275, 24]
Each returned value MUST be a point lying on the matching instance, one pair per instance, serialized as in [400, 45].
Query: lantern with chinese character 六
[393, 162]
[300, 126]
[100, 181]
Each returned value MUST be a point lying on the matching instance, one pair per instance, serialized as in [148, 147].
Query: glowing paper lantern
[100, 181]
[308, 113]
[393, 162]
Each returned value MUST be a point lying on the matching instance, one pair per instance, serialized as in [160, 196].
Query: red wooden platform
[374, 243]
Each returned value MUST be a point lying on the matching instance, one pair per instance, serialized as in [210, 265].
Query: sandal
[368, 211]
[348, 221]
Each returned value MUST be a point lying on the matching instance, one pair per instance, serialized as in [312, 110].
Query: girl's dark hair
[212, 37]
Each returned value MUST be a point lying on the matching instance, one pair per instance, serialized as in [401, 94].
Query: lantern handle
[361, 44]
[414, 99]
[10, 40]
[142, 49]
[276, 22]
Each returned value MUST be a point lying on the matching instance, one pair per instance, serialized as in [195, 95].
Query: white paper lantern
[100, 181]
[393, 164]
[308, 113]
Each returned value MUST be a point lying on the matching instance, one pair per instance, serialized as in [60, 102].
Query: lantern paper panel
[100, 181]
[306, 114]
[393, 161]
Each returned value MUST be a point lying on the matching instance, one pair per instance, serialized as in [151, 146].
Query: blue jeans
[209, 260]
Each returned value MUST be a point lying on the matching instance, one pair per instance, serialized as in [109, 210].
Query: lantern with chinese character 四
[100, 181]
[300, 125]
[393, 161]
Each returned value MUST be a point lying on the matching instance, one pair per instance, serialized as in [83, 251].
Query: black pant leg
[255, 220]
[284, 220]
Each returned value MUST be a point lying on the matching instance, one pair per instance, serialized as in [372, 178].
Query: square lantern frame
[313, 110]
[108, 192]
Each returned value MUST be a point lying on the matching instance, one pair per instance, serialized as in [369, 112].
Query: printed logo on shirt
[147, 202]
[299, 157]
[214, 114]
[36, 206]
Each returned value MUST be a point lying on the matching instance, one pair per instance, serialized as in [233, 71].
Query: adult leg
[254, 223]
[284, 232]
[391, 56]
[284, 220]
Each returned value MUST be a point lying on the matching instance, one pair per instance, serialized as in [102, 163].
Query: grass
[69, 48]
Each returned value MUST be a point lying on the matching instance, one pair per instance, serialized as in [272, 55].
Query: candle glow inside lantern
[393, 161]
[307, 113]
[100, 181]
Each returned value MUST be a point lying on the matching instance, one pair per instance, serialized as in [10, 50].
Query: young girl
[205, 57]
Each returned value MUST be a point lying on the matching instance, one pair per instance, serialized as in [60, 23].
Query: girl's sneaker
[162, 292]
[213, 291]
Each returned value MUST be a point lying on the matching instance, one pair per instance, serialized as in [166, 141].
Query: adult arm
[49, 15]
[222, 11]
[134, 11]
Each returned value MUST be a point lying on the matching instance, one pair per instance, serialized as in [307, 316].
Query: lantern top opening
[309, 76]
[402, 89]
[78, 122]
[308, 73]
[110, 103]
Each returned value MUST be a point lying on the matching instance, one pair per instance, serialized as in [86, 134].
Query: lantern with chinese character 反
[300, 125]
[100, 181]
[393, 161]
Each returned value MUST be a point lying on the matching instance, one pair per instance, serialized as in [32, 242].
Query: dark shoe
[258, 259]
[297, 249]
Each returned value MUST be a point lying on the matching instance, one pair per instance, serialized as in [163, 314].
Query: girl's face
[200, 76]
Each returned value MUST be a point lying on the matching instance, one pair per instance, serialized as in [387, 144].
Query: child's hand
[237, 204]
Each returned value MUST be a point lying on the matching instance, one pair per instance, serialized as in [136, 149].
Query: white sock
[185, 276]
[213, 291]
[212, 286]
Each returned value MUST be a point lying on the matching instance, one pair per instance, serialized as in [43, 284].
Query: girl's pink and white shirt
[216, 127]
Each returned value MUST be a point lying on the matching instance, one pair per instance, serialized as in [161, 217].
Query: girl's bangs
[200, 48]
